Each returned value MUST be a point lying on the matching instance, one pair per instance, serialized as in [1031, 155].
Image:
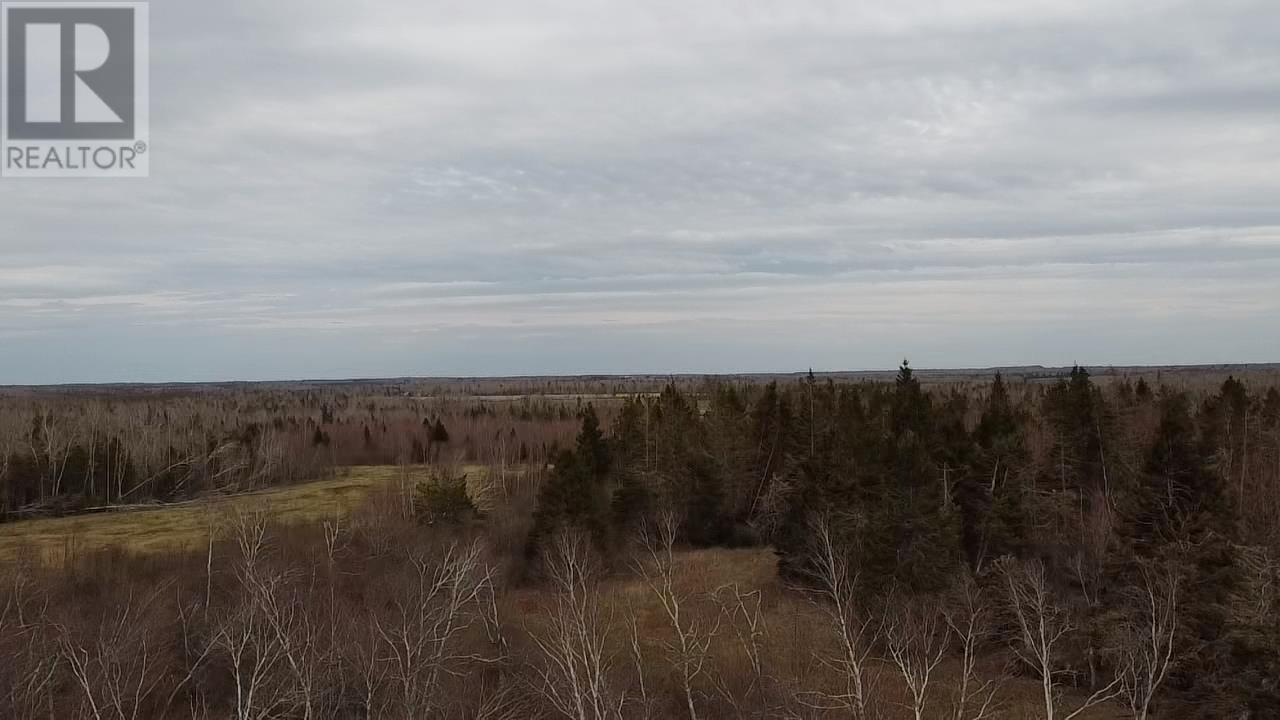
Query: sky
[412, 187]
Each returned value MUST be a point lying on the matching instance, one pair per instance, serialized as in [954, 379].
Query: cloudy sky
[414, 187]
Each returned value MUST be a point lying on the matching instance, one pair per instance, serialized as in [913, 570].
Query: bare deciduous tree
[116, 672]
[244, 636]
[969, 619]
[422, 641]
[500, 701]
[1258, 601]
[745, 615]
[1041, 625]
[1146, 637]
[689, 652]
[30, 657]
[917, 642]
[299, 639]
[856, 630]
[637, 658]
[365, 670]
[572, 672]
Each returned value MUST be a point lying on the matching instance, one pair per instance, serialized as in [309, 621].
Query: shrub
[443, 498]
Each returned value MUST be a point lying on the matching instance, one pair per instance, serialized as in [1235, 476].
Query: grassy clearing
[796, 634]
[173, 527]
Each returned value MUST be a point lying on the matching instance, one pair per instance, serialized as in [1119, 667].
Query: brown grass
[797, 633]
[186, 525]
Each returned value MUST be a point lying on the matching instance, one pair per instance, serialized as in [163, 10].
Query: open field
[185, 525]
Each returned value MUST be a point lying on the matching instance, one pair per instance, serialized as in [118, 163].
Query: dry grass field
[186, 525]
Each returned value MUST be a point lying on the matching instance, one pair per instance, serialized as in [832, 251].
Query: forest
[1059, 545]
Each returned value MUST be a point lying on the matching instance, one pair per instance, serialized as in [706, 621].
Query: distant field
[186, 524]
[559, 397]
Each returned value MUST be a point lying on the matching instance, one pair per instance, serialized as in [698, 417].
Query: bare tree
[195, 650]
[364, 666]
[689, 652]
[917, 642]
[116, 672]
[744, 612]
[572, 673]
[7, 442]
[1258, 600]
[51, 441]
[298, 637]
[253, 652]
[26, 643]
[1042, 624]
[1146, 637]
[637, 658]
[969, 619]
[244, 636]
[423, 640]
[500, 701]
[856, 630]
[335, 539]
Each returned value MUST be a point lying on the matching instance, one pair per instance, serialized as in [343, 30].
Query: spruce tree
[1178, 514]
[1142, 391]
[576, 495]
[991, 498]
[926, 538]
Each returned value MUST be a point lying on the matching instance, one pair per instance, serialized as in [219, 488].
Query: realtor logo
[75, 79]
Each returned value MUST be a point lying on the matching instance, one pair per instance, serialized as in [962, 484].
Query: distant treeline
[62, 452]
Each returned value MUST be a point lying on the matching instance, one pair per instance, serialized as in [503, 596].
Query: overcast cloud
[426, 188]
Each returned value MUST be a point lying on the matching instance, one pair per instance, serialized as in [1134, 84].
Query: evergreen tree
[629, 436]
[436, 439]
[990, 497]
[576, 495]
[842, 480]
[771, 432]
[729, 451]
[1271, 407]
[1226, 424]
[926, 539]
[1142, 391]
[1178, 514]
[591, 447]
